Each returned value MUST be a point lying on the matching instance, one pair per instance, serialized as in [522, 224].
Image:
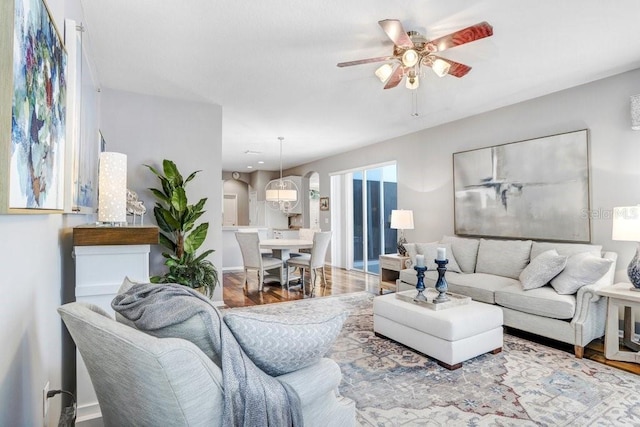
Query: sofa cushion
[412, 251]
[565, 249]
[542, 301]
[430, 250]
[478, 286]
[503, 257]
[542, 269]
[582, 269]
[465, 250]
[280, 344]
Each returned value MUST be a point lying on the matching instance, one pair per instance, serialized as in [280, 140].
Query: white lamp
[384, 72]
[281, 193]
[410, 58]
[626, 227]
[402, 220]
[412, 81]
[635, 112]
[440, 67]
[112, 188]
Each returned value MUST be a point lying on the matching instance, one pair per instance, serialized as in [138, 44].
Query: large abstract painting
[535, 189]
[36, 179]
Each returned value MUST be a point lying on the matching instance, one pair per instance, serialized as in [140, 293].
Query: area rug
[527, 384]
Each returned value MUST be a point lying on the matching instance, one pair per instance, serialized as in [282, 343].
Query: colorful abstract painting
[36, 176]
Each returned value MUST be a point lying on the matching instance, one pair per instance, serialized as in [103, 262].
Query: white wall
[424, 159]
[149, 129]
[37, 277]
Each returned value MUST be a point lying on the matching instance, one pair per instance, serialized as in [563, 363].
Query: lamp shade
[281, 195]
[626, 224]
[112, 187]
[402, 219]
[440, 67]
[635, 112]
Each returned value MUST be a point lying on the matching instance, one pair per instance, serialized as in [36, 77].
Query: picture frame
[534, 189]
[32, 117]
[84, 139]
[324, 203]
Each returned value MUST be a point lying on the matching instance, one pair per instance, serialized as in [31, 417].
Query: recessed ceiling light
[249, 167]
[260, 162]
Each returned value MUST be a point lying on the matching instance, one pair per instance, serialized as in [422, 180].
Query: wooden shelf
[94, 235]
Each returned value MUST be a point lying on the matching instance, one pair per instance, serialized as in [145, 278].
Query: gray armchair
[146, 381]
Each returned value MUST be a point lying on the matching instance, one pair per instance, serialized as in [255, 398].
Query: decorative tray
[454, 299]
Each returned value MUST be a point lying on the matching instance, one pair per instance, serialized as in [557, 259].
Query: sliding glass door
[374, 197]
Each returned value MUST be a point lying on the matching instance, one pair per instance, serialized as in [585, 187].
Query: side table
[390, 267]
[620, 295]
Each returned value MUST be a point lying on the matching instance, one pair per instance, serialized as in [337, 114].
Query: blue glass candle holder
[420, 284]
[441, 283]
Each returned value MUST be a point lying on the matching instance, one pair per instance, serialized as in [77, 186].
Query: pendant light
[281, 194]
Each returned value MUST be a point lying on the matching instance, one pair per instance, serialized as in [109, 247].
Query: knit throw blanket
[251, 397]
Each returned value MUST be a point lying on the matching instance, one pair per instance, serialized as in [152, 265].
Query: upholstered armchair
[147, 381]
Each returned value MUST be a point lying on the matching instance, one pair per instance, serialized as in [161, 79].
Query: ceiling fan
[412, 50]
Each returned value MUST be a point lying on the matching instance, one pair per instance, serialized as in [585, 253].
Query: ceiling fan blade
[396, 33]
[457, 69]
[365, 61]
[395, 78]
[466, 35]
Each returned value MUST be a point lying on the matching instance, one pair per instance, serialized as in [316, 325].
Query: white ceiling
[271, 65]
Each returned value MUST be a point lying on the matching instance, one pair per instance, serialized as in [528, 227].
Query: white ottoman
[450, 336]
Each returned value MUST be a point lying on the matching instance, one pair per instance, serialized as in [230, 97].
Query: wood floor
[341, 281]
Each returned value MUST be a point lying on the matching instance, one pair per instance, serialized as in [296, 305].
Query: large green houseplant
[176, 219]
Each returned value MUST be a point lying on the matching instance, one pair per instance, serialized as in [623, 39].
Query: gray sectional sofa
[560, 301]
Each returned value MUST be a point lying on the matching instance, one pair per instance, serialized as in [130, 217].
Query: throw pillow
[542, 269]
[430, 251]
[411, 252]
[582, 269]
[281, 344]
[465, 250]
[506, 258]
[566, 249]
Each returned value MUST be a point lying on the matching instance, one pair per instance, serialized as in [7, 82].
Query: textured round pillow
[280, 344]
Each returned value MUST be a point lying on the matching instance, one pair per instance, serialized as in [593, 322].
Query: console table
[620, 295]
[103, 257]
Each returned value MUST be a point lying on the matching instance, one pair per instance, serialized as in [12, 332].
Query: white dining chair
[253, 259]
[314, 263]
[305, 234]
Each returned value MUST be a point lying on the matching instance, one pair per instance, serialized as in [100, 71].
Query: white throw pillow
[582, 269]
[281, 344]
[542, 269]
[430, 251]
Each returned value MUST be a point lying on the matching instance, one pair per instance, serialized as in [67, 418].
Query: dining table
[282, 249]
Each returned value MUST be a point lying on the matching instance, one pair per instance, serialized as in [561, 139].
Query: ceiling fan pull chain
[414, 103]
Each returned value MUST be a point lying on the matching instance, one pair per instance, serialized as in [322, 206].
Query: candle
[419, 260]
[442, 254]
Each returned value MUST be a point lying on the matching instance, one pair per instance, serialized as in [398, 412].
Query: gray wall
[149, 129]
[424, 159]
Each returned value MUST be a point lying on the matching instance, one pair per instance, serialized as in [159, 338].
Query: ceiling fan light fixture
[383, 72]
[410, 58]
[412, 82]
[440, 67]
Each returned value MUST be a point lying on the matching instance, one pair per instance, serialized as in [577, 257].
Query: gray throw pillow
[465, 250]
[582, 269]
[281, 344]
[542, 269]
[430, 251]
[506, 258]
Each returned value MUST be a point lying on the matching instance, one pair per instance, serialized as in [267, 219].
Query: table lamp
[112, 188]
[626, 227]
[402, 220]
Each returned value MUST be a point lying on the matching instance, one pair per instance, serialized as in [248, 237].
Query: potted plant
[176, 219]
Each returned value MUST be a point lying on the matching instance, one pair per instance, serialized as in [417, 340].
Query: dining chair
[253, 259]
[314, 262]
[262, 234]
[305, 234]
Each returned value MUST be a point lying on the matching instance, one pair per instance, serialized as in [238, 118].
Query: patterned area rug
[526, 384]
